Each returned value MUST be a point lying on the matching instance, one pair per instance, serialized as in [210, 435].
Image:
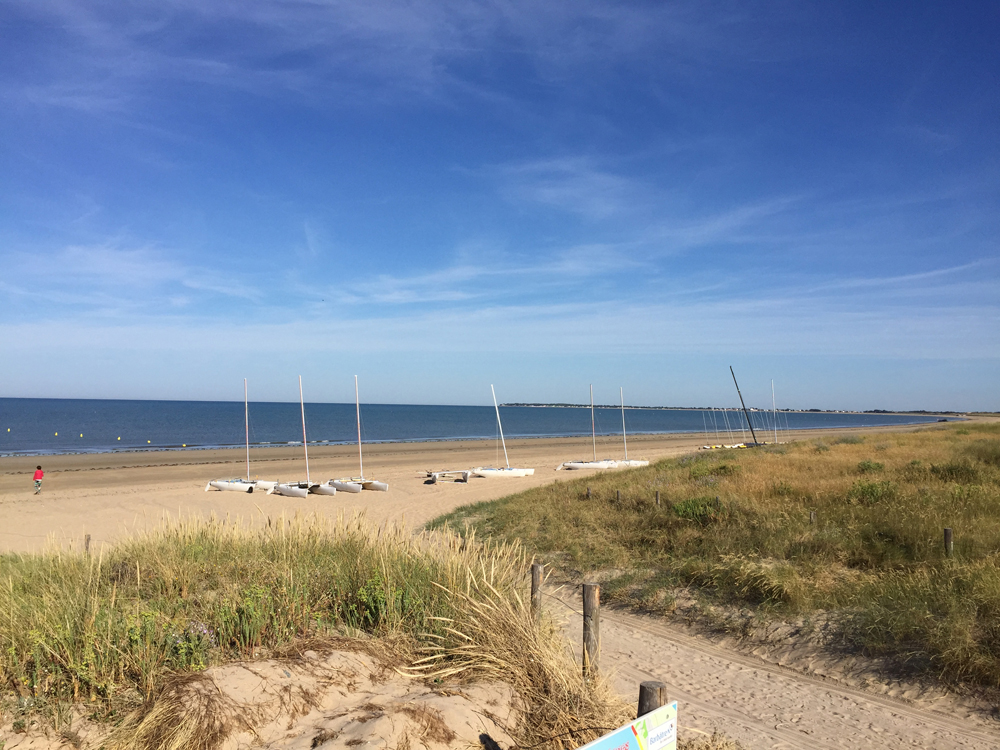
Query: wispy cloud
[113, 279]
[107, 53]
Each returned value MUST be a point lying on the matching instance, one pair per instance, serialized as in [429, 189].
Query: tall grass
[112, 630]
[734, 526]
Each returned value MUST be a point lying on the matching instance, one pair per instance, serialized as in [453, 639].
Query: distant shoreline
[912, 413]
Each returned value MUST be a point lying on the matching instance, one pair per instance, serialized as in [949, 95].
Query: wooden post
[536, 590]
[657, 498]
[652, 695]
[618, 495]
[86, 544]
[812, 516]
[949, 543]
[588, 493]
[591, 628]
[718, 505]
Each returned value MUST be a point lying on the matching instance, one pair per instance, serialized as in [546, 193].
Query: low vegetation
[852, 527]
[109, 631]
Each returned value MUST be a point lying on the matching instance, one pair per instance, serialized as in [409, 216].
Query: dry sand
[773, 698]
[106, 495]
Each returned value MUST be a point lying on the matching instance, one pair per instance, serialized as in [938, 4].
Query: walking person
[38, 479]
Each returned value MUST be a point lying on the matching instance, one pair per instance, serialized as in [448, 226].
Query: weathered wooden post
[618, 495]
[949, 544]
[588, 493]
[657, 498]
[591, 628]
[536, 590]
[86, 544]
[718, 505]
[812, 516]
[652, 695]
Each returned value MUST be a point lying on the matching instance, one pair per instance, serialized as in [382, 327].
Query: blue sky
[542, 195]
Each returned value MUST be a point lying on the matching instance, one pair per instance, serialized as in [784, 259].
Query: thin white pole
[246, 424]
[500, 425]
[305, 447]
[621, 392]
[774, 412]
[593, 433]
[357, 409]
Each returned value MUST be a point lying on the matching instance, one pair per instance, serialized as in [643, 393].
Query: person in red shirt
[38, 479]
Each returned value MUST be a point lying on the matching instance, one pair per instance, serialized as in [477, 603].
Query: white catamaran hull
[344, 485]
[632, 462]
[294, 489]
[322, 489]
[230, 485]
[606, 464]
[489, 472]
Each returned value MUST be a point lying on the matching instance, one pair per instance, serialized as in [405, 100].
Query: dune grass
[111, 631]
[735, 528]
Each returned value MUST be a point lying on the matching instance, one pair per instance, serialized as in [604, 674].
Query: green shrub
[849, 440]
[701, 510]
[961, 472]
[867, 467]
[871, 493]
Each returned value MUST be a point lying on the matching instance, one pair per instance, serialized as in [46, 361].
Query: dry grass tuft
[494, 636]
[188, 714]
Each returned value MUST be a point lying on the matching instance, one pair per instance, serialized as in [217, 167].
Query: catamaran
[248, 484]
[358, 483]
[302, 489]
[490, 472]
[628, 462]
[607, 463]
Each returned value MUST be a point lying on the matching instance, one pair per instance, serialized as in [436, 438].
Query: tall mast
[745, 412]
[621, 392]
[357, 409]
[246, 424]
[305, 447]
[500, 425]
[593, 433]
[774, 413]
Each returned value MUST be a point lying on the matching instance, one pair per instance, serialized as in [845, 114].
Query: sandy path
[768, 706]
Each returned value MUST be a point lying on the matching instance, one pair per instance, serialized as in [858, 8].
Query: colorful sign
[656, 730]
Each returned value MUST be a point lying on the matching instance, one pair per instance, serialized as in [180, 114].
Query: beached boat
[606, 463]
[359, 483]
[247, 485]
[490, 472]
[302, 489]
[627, 462]
[458, 475]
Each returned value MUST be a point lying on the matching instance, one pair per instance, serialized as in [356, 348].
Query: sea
[31, 426]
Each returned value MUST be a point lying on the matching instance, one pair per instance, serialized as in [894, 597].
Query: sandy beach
[110, 494]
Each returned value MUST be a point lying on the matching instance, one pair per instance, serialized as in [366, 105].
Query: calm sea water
[46, 426]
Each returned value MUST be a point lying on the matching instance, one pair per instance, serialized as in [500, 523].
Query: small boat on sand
[247, 485]
[308, 487]
[458, 475]
[490, 472]
[607, 463]
[359, 483]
